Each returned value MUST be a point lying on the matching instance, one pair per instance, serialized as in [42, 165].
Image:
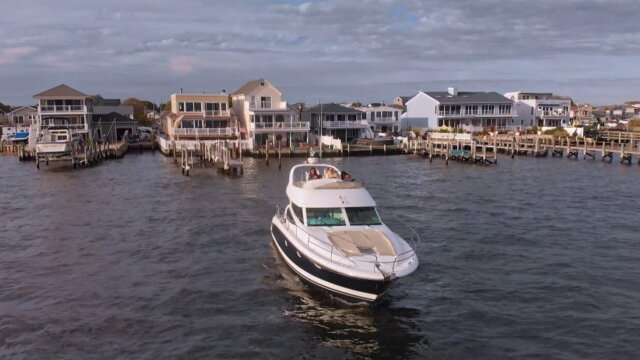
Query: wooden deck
[485, 149]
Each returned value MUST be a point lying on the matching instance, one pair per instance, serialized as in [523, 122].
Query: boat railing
[331, 249]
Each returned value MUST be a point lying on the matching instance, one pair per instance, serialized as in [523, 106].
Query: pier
[224, 155]
[485, 149]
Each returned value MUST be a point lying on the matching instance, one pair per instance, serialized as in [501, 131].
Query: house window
[197, 107]
[340, 117]
[181, 107]
[197, 124]
[252, 104]
[189, 107]
[487, 109]
[18, 119]
[187, 124]
[351, 117]
[265, 102]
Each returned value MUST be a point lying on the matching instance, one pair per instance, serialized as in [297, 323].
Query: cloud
[353, 47]
[182, 65]
[14, 54]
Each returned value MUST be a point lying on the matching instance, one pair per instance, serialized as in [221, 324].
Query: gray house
[340, 122]
[112, 127]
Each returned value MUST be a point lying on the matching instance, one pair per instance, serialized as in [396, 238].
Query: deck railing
[331, 249]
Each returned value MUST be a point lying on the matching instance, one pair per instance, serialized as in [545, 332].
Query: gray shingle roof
[469, 97]
[405, 98]
[332, 108]
[108, 118]
[61, 91]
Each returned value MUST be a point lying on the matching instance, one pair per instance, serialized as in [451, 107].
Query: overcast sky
[335, 50]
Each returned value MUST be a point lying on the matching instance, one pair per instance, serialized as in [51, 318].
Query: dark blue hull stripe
[363, 285]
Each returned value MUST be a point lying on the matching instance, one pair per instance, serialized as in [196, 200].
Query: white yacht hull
[358, 288]
[53, 148]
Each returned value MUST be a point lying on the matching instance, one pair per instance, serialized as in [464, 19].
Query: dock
[224, 155]
[485, 149]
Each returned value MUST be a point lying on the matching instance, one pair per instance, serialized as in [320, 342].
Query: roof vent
[453, 90]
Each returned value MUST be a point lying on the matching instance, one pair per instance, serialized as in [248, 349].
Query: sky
[325, 50]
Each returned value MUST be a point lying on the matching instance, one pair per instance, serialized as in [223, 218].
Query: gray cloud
[336, 50]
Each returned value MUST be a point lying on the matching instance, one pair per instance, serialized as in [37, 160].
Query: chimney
[180, 90]
[453, 91]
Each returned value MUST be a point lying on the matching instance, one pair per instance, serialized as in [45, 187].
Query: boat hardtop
[325, 191]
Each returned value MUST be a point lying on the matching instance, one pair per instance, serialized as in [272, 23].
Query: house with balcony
[200, 118]
[544, 110]
[382, 118]
[339, 122]
[472, 111]
[266, 118]
[64, 106]
[24, 115]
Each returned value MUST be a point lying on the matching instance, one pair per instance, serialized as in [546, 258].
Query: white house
[266, 117]
[540, 109]
[23, 115]
[471, 111]
[64, 105]
[382, 118]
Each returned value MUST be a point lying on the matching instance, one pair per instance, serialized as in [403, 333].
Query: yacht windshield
[325, 217]
[363, 216]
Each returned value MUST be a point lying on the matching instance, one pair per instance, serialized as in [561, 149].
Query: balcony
[225, 113]
[345, 124]
[57, 109]
[384, 120]
[553, 114]
[479, 114]
[205, 132]
[280, 126]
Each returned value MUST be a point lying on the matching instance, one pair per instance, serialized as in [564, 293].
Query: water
[531, 258]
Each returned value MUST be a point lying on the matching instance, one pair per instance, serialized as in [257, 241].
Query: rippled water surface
[530, 258]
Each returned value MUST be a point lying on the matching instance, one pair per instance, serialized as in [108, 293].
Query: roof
[405, 98]
[332, 108]
[469, 97]
[106, 102]
[61, 91]
[110, 117]
[120, 109]
[250, 85]
[32, 108]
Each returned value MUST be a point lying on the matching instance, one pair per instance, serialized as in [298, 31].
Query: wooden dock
[223, 155]
[485, 149]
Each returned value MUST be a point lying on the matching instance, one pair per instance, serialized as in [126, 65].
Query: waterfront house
[339, 122]
[24, 115]
[64, 105]
[470, 111]
[584, 114]
[265, 116]
[382, 118]
[540, 109]
[199, 117]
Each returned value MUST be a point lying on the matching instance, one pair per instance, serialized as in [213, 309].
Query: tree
[5, 108]
[140, 108]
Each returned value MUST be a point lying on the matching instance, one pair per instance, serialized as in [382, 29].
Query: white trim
[325, 284]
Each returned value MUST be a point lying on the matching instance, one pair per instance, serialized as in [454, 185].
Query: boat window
[362, 216]
[298, 210]
[325, 217]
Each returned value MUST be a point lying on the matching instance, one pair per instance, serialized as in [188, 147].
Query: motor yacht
[331, 235]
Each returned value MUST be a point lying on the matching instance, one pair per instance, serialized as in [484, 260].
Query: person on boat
[345, 176]
[313, 174]
[331, 174]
